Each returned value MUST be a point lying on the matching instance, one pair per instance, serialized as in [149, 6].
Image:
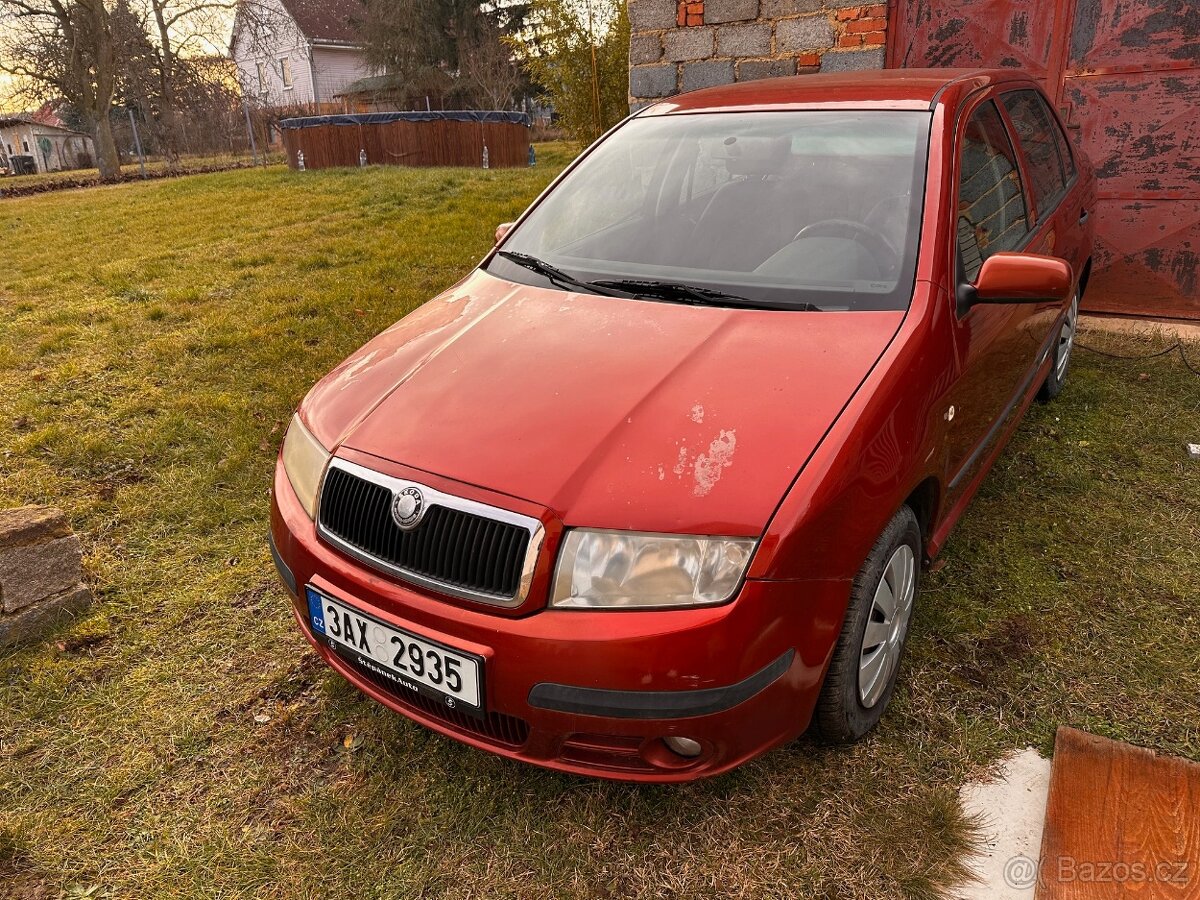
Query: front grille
[451, 547]
[498, 728]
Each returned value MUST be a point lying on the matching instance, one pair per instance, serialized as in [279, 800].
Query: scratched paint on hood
[708, 466]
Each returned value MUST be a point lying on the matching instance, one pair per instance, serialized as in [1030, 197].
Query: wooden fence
[329, 141]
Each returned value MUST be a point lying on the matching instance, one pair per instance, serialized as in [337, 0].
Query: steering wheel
[881, 251]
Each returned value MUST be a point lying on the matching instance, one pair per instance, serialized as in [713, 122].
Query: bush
[580, 58]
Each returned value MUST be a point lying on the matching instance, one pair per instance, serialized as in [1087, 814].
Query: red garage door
[1126, 77]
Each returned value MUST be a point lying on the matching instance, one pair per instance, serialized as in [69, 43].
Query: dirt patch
[988, 656]
[16, 872]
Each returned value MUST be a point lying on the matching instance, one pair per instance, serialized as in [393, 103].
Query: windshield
[793, 210]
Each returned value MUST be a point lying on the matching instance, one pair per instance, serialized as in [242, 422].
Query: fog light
[683, 746]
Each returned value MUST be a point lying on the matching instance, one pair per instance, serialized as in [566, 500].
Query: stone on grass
[41, 572]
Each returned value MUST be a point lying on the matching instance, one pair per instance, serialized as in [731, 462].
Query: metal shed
[29, 145]
[437, 138]
[1126, 77]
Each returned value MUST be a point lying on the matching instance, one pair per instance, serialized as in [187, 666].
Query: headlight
[304, 460]
[636, 570]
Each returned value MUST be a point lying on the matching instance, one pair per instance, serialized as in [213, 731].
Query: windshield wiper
[670, 291]
[556, 275]
[678, 292]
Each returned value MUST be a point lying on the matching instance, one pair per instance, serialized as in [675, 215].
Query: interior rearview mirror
[502, 231]
[1021, 278]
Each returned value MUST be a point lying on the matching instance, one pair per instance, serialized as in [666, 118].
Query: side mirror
[502, 231]
[1020, 278]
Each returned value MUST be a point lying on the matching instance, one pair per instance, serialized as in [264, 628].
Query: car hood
[611, 412]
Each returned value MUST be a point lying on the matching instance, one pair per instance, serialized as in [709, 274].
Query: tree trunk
[107, 158]
[169, 124]
[101, 88]
[167, 113]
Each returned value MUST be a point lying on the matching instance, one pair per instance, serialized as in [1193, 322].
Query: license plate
[450, 676]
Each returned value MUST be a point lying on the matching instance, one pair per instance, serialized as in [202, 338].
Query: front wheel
[862, 673]
[1062, 353]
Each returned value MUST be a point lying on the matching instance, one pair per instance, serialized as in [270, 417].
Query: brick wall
[683, 45]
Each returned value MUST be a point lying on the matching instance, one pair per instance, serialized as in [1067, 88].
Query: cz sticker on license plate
[452, 677]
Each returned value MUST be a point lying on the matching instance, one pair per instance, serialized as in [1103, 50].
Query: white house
[53, 148]
[293, 52]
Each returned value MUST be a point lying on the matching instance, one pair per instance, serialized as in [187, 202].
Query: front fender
[887, 442]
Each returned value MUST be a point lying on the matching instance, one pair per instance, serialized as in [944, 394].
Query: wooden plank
[1120, 822]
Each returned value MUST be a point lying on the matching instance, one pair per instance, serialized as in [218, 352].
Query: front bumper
[594, 691]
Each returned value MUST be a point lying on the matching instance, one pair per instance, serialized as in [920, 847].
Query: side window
[1039, 137]
[991, 204]
[1064, 148]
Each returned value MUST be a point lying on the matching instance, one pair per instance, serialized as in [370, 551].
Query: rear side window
[1064, 150]
[991, 204]
[1043, 145]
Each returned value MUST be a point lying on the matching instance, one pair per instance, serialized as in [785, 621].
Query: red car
[650, 491]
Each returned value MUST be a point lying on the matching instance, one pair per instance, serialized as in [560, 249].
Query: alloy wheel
[887, 625]
[1066, 340]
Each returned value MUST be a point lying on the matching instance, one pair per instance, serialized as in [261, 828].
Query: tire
[1061, 366]
[852, 701]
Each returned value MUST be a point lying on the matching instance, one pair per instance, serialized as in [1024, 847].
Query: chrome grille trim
[434, 497]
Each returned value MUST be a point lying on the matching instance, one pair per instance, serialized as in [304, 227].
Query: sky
[6, 87]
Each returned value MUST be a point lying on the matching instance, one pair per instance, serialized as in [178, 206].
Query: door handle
[1083, 216]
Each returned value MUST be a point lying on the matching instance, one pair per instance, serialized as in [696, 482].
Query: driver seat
[751, 195]
[889, 219]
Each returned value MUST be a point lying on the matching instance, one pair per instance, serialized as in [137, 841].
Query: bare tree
[177, 26]
[486, 64]
[66, 48]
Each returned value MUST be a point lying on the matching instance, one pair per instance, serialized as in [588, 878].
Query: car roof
[880, 89]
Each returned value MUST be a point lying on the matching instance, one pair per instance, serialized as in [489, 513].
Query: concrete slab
[1011, 809]
[1161, 328]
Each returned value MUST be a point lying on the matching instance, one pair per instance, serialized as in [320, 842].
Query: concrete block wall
[683, 45]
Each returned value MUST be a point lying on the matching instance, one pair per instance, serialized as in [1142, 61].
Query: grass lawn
[181, 740]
